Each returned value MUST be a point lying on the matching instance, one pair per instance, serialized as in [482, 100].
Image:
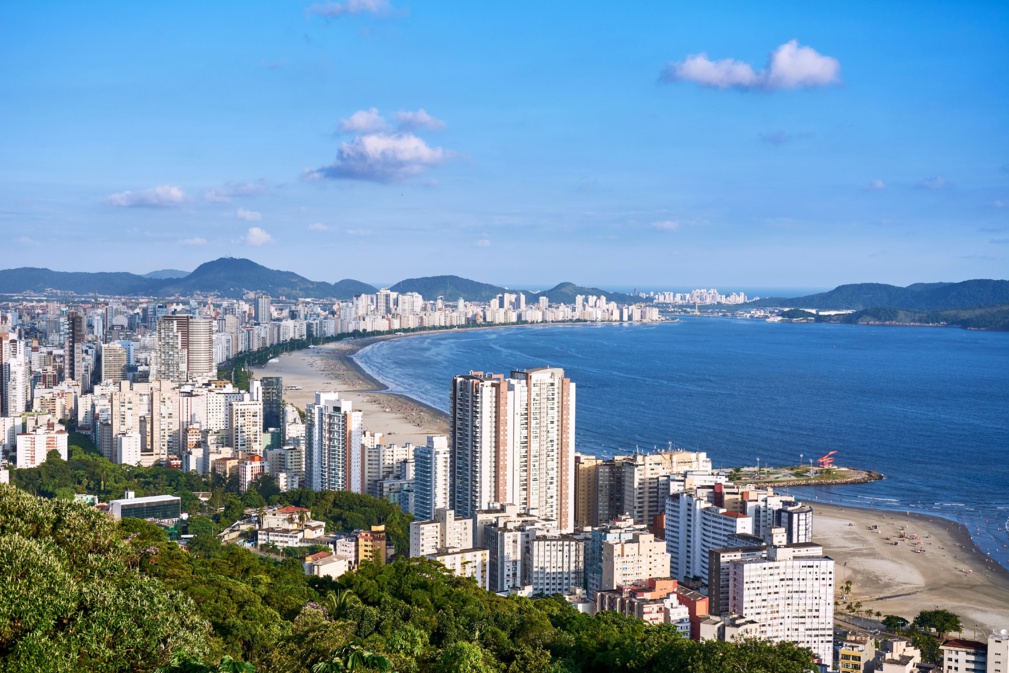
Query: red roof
[734, 515]
[290, 509]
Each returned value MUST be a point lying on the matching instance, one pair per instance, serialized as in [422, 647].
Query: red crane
[826, 461]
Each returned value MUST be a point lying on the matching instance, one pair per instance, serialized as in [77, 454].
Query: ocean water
[927, 407]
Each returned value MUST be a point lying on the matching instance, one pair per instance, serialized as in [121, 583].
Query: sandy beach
[951, 573]
[330, 368]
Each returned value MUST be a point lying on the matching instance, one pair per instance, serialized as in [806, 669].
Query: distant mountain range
[968, 294]
[227, 277]
[233, 277]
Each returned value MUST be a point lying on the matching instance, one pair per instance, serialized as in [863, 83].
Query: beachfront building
[513, 442]
[998, 651]
[855, 654]
[790, 596]
[695, 526]
[431, 477]
[635, 484]
[897, 656]
[964, 656]
[333, 444]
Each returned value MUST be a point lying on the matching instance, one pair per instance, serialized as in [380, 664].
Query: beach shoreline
[951, 573]
[890, 579]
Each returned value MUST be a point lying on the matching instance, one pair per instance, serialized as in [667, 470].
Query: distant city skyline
[658, 147]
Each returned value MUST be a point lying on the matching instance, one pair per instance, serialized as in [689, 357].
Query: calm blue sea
[927, 407]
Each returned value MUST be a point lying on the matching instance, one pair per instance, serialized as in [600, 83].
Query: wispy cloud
[666, 225]
[163, 196]
[874, 186]
[998, 204]
[933, 184]
[24, 240]
[790, 66]
[318, 226]
[248, 215]
[419, 120]
[257, 237]
[197, 240]
[233, 190]
[332, 10]
[364, 121]
[482, 243]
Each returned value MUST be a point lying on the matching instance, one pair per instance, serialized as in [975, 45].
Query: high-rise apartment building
[185, 349]
[273, 402]
[790, 595]
[695, 526]
[333, 445]
[170, 361]
[245, 426]
[627, 562]
[114, 359]
[263, 309]
[15, 376]
[383, 462]
[432, 467]
[76, 333]
[513, 442]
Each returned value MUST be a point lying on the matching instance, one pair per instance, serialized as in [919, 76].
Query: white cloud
[482, 243]
[380, 157]
[256, 237]
[232, 190]
[364, 121]
[874, 186]
[350, 8]
[790, 66]
[666, 225]
[197, 240]
[358, 232]
[318, 226]
[932, 184]
[412, 121]
[998, 205]
[163, 196]
[248, 215]
[24, 240]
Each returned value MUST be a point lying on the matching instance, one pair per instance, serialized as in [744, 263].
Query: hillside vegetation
[85, 593]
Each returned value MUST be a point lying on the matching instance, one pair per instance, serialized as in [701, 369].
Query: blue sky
[729, 145]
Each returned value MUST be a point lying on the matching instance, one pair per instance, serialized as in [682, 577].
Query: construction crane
[826, 461]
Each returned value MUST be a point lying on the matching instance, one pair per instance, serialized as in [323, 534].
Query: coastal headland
[950, 573]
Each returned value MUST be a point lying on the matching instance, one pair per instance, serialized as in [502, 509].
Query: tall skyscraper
[185, 348]
[15, 376]
[273, 402]
[200, 349]
[333, 445]
[513, 442]
[245, 426]
[113, 363]
[263, 308]
[432, 467]
[76, 333]
[170, 361]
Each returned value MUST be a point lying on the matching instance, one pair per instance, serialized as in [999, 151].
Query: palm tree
[350, 658]
[229, 665]
[338, 602]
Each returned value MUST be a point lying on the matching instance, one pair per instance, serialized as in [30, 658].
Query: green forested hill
[84, 593]
[918, 297]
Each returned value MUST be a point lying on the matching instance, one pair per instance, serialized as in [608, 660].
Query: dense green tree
[73, 598]
[895, 623]
[940, 621]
